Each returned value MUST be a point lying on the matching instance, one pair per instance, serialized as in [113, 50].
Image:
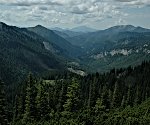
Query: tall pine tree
[116, 96]
[3, 108]
[30, 105]
[72, 103]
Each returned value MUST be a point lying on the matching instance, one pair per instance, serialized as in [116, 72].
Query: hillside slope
[22, 51]
[67, 48]
[118, 46]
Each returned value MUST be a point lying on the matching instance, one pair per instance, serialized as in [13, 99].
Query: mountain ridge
[67, 48]
[118, 39]
[82, 29]
[22, 51]
[95, 50]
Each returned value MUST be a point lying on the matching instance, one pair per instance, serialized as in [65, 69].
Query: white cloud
[29, 2]
[140, 3]
[65, 11]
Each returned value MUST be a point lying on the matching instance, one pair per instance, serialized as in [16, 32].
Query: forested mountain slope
[108, 37]
[22, 51]
[118, 46]
[67, 48]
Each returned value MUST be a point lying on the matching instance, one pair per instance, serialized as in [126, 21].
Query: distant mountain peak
[39, 26]
[127, 28]
[122, 27]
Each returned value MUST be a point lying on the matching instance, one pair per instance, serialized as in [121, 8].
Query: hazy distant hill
[65, 33]
[114, 47]
[108, 36]
[83, 29]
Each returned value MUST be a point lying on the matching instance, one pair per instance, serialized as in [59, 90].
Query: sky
[98, 14]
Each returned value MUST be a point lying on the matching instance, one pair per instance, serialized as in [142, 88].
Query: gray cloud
[65, 11]
[43, 8]
[139, 3]
[125, 0]
[29, 2]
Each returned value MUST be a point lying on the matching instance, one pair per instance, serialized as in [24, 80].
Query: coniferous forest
[74, 62]
[118, 97]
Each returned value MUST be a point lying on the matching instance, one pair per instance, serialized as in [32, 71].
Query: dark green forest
[118, 97]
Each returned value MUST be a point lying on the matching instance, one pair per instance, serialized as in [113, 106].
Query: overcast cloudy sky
[98, 14]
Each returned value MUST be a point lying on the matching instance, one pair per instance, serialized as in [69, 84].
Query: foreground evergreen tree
[99, 111]
[137, 96]
[30, 110]
[128, 100]
[72, 103]
[116, 96]
[3, 108]
[105, 98]
[42, 103]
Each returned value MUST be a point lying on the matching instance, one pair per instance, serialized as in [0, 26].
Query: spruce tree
[105, 98]
[42, 103]
[15, 112]
[72, 103]
[18, 108]
[61, 98]
[110, 96]
[123, 103]
[92, 91]
[3, 108]
[99, 107]
[116, 96]
[99, 110]
[128, 100]
[38, 102]
[137, 96]
[89, 95]
[30, 111]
